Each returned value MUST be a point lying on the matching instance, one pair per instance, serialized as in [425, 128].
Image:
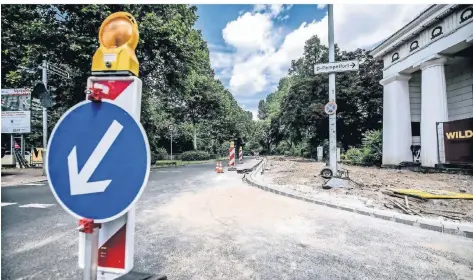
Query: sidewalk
[257, 178]
[247, 165]
[11, 177]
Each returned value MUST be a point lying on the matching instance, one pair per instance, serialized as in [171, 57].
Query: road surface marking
[33, 184]
[36, 205]
[176, 171]
[8, 203]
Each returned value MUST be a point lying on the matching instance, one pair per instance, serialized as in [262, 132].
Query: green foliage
[195, 155]
[294, 117]
[179, 85]
[161, 154]
[370, 152]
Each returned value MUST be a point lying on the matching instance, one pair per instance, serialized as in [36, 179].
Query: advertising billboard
[16, 114]
[458, 141]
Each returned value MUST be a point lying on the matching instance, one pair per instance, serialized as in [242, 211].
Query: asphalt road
[193, 223]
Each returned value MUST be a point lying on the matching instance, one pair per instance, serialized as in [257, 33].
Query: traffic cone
[219, 167]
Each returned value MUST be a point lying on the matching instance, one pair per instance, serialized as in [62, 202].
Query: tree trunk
[195, 137]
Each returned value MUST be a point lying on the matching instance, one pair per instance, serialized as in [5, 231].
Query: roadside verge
[461, 229]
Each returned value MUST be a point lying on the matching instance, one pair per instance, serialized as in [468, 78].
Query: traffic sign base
[133, 275]
[231, 169]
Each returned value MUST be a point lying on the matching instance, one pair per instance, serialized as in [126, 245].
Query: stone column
[397, 134]
[434, 108]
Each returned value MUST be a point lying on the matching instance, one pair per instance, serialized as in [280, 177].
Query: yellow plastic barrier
[434, 194]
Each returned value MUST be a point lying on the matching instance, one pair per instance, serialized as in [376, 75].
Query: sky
[252, 46]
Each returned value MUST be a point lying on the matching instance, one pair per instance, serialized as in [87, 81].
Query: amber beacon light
[118, 37]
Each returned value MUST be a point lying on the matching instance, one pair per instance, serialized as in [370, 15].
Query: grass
[168, 163]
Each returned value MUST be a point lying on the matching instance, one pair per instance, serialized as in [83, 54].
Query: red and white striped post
[116, 238]
[240, 156]
[231, 162]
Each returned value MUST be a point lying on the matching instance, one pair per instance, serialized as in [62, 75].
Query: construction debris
[379, 188]
[336, 183]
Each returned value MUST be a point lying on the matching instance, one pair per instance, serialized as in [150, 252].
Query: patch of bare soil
[371, 184]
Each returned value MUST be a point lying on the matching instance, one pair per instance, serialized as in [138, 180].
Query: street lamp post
[171, 128]
[45, 117]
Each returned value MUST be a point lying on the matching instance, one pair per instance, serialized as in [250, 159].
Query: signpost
[46, 99]
[333, 67]
[99, 159]
[98, 162]
[57, 70]
[331, 108]
[171, 128]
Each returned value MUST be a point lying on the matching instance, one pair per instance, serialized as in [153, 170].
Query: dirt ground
[303, 176]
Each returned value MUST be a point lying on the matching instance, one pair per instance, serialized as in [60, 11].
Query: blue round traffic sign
[330, 108]
[97, 161]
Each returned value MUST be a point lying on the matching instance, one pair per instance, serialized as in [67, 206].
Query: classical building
[428, 81]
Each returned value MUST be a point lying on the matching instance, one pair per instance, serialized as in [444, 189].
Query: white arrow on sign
[79, 181]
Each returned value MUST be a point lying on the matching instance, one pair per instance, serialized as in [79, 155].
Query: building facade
[427, 81]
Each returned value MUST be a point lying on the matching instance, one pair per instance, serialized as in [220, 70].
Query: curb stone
[463, 229]
[12, 184]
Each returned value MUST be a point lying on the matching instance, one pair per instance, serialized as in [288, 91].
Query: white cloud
[249, 33]
[255, 114]
[321, 6]
[273, 10]
[260, 59]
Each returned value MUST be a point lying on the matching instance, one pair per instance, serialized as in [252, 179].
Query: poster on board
[458, 141]
[16, 114]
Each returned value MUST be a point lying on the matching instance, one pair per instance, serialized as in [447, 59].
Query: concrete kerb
[12, 184]
[465, 230]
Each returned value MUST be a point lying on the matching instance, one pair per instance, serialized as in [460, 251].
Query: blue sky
[251, 46]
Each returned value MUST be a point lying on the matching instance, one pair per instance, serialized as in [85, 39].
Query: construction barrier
[231, 162]
[37, 156]
[219, 168]
[240, 156]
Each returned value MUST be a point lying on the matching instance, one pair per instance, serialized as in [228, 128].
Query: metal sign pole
[91, 244]
[45, 116]
[171, 128]
[22, 141]
[332, 96]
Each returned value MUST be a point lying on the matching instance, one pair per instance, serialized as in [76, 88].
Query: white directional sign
[333, 67]
[57, 70]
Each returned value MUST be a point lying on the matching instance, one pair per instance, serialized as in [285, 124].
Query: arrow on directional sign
[352, 65]
[79, 181]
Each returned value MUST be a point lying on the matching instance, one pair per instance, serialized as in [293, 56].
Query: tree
[295, 111]
[179, 85]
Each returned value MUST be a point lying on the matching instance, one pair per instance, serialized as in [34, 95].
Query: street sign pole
[332, 95]
[45, 115]
[171, 128]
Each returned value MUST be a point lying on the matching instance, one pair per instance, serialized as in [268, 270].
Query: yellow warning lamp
[118, 37]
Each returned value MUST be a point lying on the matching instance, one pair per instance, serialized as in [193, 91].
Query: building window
[437, 31]
[466, 14]
[395, 57]
[415, 128]
[414, 46]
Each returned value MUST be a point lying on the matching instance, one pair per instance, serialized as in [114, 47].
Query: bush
[355, 155]
[161, 154]
[370, 152]
[195, 155]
